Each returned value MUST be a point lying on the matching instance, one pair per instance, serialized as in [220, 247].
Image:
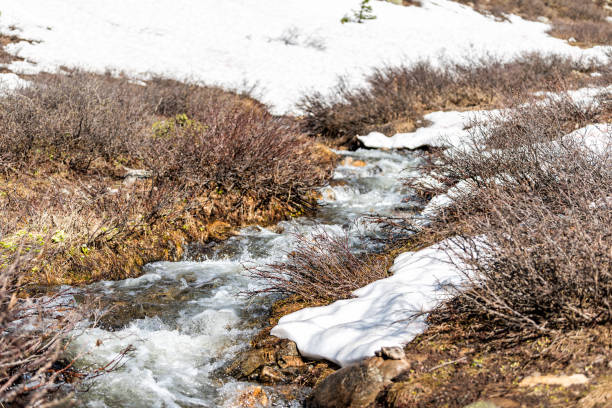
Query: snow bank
[448, 129]
[10, 81]
[384, 313]
[597, 137]
[284, 46]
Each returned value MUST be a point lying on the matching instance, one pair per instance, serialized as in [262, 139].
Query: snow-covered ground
[446, 129]
[10, 81]
[383, 313]
[284, 46]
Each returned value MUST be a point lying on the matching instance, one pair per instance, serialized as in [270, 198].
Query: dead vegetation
[33, 334]
[207, 160]
[396, 98]
[532, 234]
[37, 328]
[321, 269]
[5, 57]
[532, 226]
[583, 21]
[455, 364]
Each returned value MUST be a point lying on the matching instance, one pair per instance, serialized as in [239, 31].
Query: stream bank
[188, 320]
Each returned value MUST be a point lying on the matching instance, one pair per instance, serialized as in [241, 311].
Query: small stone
[271, 375]
[137, 173]
[219, 229]
[288, 348]
[290, 362]
[252, 397]
[504, 402]
[391, 353]
[561, 380]
[357, 385]
[482, 404]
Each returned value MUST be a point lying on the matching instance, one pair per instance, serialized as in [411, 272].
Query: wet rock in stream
[278, 361]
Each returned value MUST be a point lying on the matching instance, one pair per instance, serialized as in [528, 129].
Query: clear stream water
[187, 320]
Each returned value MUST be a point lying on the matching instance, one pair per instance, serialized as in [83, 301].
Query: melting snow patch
[447, 128]
[285, 46]
[597, 138]
[10, 81]
[450, 129]
[384, 313]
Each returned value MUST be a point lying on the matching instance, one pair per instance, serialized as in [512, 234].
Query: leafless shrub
[532, 231]
[294, 37]
[584, 32]
[37, 328]
[513, 145]
[395, 98]
[566, 9]
[33, 335]
[540, 121]
[209, 155]
[546, 263]
[321, 268]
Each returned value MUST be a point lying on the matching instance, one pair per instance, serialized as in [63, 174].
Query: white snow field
[284, 46]
[383, 313]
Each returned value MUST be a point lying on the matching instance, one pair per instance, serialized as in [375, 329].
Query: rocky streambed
[191, 326]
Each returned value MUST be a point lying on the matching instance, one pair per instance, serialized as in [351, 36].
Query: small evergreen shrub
[359, 16]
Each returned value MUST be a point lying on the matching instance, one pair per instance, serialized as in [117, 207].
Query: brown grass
[395, 98]
[585, 33]
[585, 21]
[453, 364]
[212, 160]
[5, 57]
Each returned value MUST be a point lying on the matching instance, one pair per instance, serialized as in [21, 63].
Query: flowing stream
[187, 320]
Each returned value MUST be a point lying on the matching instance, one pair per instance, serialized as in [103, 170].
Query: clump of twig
[321, 268]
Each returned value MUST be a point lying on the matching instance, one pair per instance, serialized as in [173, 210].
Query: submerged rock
[357, 385]
[271, 375]
[276, 361]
